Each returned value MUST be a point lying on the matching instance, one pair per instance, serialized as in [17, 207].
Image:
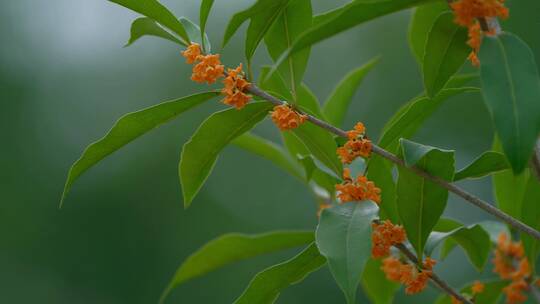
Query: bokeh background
[65, 79]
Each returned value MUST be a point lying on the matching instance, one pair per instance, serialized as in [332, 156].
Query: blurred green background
[65, 79]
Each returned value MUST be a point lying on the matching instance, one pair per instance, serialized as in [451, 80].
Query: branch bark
[487, 207]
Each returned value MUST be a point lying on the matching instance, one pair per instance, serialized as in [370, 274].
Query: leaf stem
[487, 207]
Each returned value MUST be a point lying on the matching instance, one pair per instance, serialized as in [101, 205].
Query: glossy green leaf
[487, 163]
[380, 172]
[270, 151]
[337, 104]
[344, 18]
[530, 215]
[321, 144]
[269, 283]
[204, 12]
[194, 33]
[511, 90]
[491, 295]
[421, 202]
[412, 115]
[446, 51]
[375, 284]
[344, 238]
[130, 127]
[155, 10]
[234, 247]
[200, 153]
[308, 102]
[421, 23]
[474, 240]
[509, 188]
[294, 19]
[145, 26]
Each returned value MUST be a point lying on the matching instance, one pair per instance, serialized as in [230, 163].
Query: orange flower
[208, 70]
[235, 86]
[505, 254]
[514, 292]
[468, 12]
[456, 301]
[192, 53]
[477, 287]
[359, 190]
[286, 118]
[414, 280]
[384, 236]
[357, 145]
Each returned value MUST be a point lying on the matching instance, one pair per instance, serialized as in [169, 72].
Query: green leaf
[145, 26]
[494, 229]
[294, 19]
[268, 284]
[344, 18]
[377, 287]
[412, 115]
[491, 294]
[511, 90]
[473, 239]
[321, 144]
[308, 102]
[130, 127]
[421, 202]
[234, 247]
[446, 51]
[268, 150]
[421, 23]
[155, 10]
[487, 163]
[204, 12]
[344, 238]
[509, 188]
[380, 172]
[337, 104]
[194, 33]
[200, 153]
[530, 215]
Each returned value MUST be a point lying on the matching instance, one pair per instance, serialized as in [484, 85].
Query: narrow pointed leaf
[487, 163]
[231, 248]
[377, 287]
[446, 51]
[307, 101]
[294, 19]
[344, 238]
[337, 104]
[201, 152]
[194, 33]
[145, 26]
[204, 12]
[511, 89]
[421, 23]
[155, 10]
[530, 215]
[474, 240]
[270, 151]
[421, 202]
[130, 127]
[269, 283]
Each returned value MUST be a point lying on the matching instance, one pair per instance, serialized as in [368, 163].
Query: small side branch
[253, 89]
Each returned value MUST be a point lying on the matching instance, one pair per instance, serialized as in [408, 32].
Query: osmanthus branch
[487, 207]
[436, 279]
[535, 160]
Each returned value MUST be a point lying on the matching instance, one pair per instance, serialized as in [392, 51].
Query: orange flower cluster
[286, 118]
[357, 190]
[235, 86]
[467, 14]
[476, 288]
[357, 145]
[415, 280]
[384, 236]
[512, 264]
[209, 68]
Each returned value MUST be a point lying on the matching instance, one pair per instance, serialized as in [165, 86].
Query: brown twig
[255, 90]
[436, 279]
[535, 160]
